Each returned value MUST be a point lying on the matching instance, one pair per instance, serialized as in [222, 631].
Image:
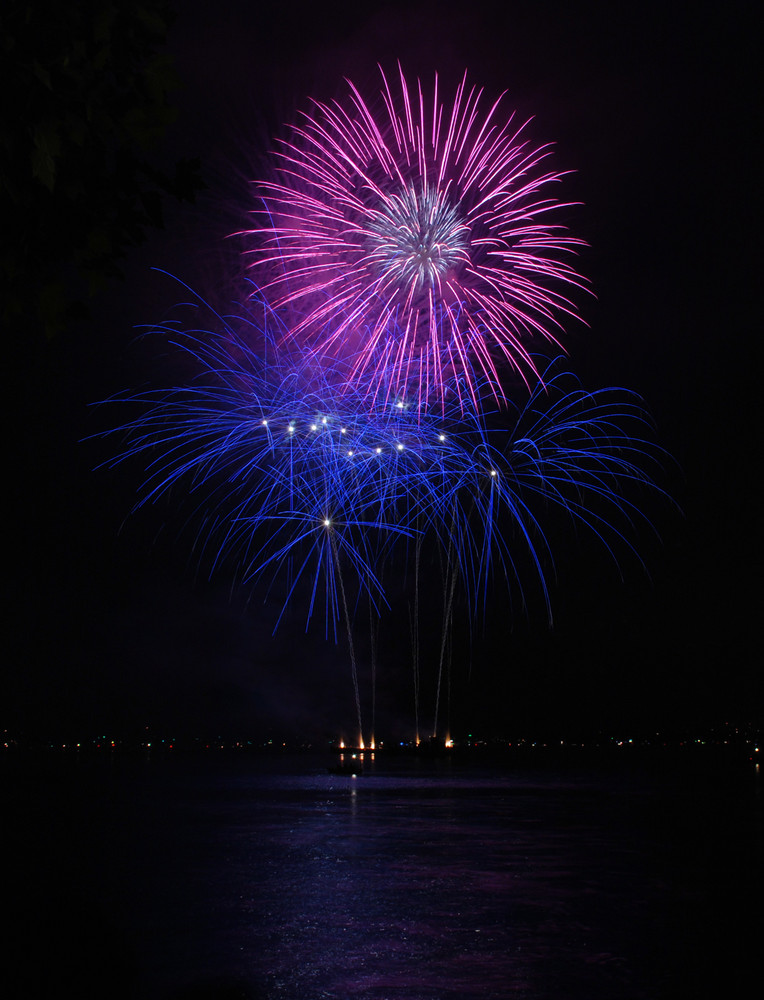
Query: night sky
[111, 626]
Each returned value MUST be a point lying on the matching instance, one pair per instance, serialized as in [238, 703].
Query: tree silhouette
[86, 86]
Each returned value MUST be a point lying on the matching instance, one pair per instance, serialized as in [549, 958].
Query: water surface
[267, 877]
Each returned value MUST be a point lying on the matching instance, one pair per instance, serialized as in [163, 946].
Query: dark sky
[652, 106]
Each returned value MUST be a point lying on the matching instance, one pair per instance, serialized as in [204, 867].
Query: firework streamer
[415, 635]
[451, 576]
[373, 639]
[418, 238]
[348, 624]
[290, 479]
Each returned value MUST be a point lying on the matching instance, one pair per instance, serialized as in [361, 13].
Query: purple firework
[414, 238]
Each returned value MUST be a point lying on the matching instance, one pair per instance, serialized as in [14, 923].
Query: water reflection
[433, 886]
[283, 881]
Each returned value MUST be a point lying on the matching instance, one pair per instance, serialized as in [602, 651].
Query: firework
[288, 473]
[357, 416]
[415, 240]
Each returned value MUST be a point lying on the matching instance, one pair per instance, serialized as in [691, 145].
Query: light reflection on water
[276, 880]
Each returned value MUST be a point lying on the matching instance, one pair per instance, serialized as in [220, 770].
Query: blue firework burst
[289, 474]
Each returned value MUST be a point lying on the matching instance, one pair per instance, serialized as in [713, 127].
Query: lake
[547, 876]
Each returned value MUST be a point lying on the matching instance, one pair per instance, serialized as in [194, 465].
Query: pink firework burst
[413, 238]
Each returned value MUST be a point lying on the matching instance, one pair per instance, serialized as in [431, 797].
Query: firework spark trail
[415, 240]
[288, 474]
